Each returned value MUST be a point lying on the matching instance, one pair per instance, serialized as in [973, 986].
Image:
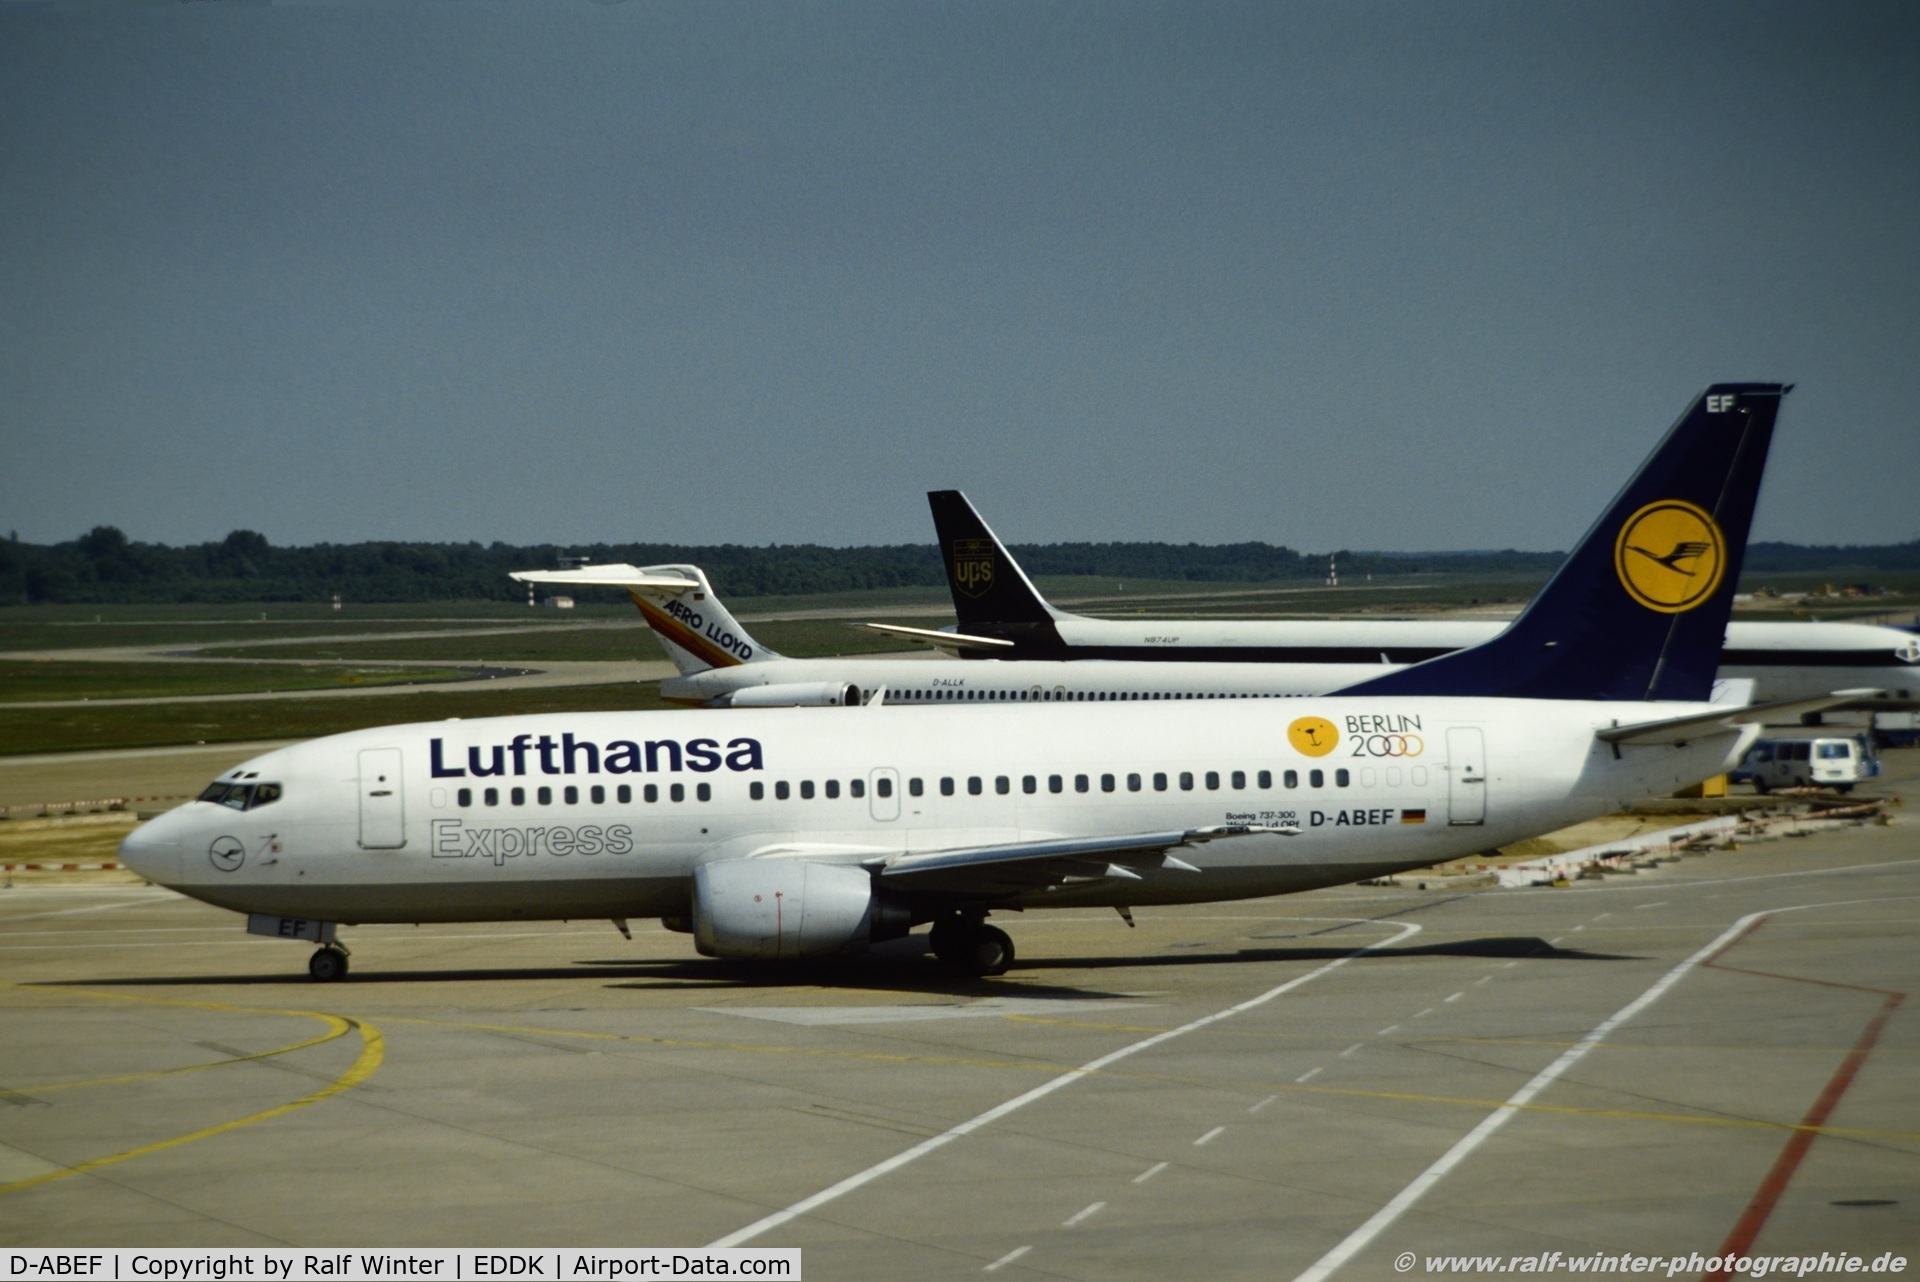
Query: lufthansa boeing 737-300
[805, 832]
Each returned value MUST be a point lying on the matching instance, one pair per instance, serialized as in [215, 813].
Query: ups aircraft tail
[992, 596]
[695, 629]
[1639, 609]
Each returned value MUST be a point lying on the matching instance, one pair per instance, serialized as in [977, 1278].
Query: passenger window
[1265, 779]
[806, 790]
[1159, 782]
[1239, 778]
[268, 793]
[1213, 780]
[571, 795]
[1079, 783]
[884, 786]
[702, 791]
[1002, 785]
[1133, 783]
[946, 785]
[914, 788]
[974, 786]
[833, 789]
[651, 794]
[1291, 778]
[1029, 784]
[856, 788]
[597, 795]
[1106, 783]
[1316, 778]
[781, 791]
[757, 790]
[1366, 776]
[463, 798]
[544, 796]
[1056, 784]
[623, 794]
[492, 796]
[677, 792]
[518, 796]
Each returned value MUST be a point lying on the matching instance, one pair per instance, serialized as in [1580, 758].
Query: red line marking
[1747, 1228]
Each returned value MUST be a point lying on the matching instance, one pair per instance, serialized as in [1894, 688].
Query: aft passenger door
[1466, 776]
[883, 794]
[382, 803]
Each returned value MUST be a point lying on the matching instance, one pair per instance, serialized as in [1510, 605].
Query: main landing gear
[328, 964]
[969, 944]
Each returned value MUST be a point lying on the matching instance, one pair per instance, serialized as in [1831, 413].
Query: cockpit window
[241, 796]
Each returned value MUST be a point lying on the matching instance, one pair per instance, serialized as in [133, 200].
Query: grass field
[42, 681]
[24, 729]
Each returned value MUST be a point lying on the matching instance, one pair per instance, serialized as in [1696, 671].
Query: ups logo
[973, 565]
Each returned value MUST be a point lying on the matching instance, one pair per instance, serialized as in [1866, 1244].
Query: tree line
[104, 566]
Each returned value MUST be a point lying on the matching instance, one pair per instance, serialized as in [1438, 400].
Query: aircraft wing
[1686, 729]
[1030, 865]
[608, 576]
[953, 641]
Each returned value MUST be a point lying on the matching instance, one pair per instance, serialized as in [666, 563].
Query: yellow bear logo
[1313, 736]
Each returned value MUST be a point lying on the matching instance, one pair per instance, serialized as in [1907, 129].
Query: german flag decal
[1413, 816]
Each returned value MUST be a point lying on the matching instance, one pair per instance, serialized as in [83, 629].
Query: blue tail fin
[1639, 610]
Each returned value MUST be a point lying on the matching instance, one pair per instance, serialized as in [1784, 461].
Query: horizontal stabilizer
[608, 576]
[955, 641]
[1687, 729]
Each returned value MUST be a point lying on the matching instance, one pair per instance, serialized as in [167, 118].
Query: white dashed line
[1307, 1076]
[1350, 1050]
[1008, 1258]
[1078, 1216]
[1390, 1028]
[1456, 997]
[1602, 916]
[1578, 929]
[1423, 1014]
[1203, 1139]
[1262, 1104]
[1150, 1172]
[879, 1170]
[1643, 907]
[1483, 979]
[1509, 965]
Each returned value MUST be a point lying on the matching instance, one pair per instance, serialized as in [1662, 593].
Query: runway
[1298, 1087]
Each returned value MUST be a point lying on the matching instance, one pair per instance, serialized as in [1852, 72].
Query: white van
[1812, 761]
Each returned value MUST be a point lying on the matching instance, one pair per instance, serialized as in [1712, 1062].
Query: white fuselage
[607, 814]
[1785, 660]
[943, 680]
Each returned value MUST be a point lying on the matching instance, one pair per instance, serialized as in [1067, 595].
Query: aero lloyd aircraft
[721, 666]
[1002, 615]
[808, 832]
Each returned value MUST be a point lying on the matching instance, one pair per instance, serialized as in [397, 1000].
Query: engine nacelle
[779, 908]
[797, 694]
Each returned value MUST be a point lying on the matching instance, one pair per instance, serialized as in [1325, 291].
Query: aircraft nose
[154, 848]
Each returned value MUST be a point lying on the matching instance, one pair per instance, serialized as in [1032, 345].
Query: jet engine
[797, 694]
[780, 908]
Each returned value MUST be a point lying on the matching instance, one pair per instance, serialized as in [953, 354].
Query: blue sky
[1385, 275]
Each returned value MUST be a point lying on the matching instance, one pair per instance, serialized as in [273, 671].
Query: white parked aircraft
[1000, 613]
[722, 666]
[794, 832]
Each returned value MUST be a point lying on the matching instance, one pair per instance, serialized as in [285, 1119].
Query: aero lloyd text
[568, 755]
